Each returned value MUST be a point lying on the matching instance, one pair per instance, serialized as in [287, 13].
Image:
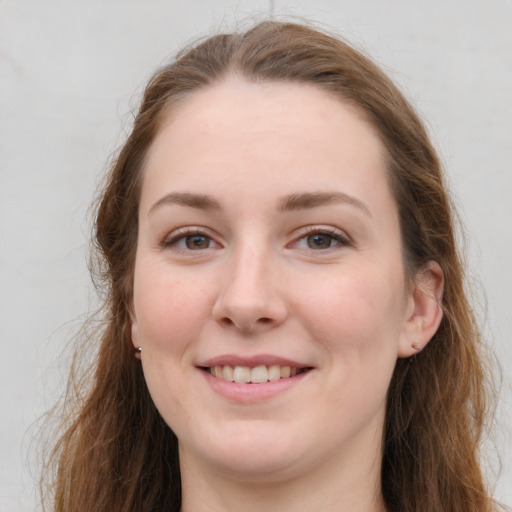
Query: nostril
[246, 324]
[226, 321]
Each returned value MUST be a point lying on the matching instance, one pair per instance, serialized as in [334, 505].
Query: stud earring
[138, 352]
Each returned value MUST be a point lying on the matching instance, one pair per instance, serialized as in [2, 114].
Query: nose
[250, 298]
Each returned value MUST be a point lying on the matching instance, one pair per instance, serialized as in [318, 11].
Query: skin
[260, 283]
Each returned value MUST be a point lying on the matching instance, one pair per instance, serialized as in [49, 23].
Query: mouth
[254, 375]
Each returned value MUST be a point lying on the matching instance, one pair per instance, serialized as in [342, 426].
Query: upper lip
[251, 361]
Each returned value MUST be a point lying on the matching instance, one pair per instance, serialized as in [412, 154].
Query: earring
[138, 352]
[139, 349]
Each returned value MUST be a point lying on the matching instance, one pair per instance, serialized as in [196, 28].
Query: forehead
[267, 106]
[270, 136]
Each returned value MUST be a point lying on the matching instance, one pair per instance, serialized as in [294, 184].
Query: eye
[195, 242]
[318, 239]
[185, 240]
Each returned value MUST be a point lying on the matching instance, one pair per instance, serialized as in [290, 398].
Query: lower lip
[247, 392]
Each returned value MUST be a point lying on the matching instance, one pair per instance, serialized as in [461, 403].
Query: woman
[287, 324]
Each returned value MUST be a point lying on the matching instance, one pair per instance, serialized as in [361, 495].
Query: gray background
[71, 72]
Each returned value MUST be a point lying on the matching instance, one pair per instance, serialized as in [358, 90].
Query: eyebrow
[303, 201]
[314, 199]
[202, 202]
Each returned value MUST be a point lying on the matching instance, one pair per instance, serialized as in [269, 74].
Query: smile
[255, 375]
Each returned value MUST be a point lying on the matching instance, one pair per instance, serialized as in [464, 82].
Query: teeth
[274, 372]
[242, 374]
[285, 372]
[228, 374]
[257, 375]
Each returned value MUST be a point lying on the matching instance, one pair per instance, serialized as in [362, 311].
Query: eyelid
[337, 234]
[171, 239]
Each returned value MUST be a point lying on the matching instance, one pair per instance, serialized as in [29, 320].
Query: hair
[117, 453]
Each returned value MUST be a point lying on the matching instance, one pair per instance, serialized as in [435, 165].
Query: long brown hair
[116, 452]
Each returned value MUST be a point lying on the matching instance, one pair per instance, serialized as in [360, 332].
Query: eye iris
[197, 242]
[319, 241]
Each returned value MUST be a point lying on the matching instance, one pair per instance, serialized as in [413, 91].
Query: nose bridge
[250, 297]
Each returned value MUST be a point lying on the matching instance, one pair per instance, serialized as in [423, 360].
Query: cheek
[356, 313]
[170, 313]
[168, 308]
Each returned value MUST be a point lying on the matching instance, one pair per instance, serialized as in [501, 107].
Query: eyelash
[183, 234]
[340, 238]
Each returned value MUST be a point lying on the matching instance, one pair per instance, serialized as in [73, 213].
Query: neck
[348, 485]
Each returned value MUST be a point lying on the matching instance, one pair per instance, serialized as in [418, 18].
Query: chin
[251, 454]
[258, 467]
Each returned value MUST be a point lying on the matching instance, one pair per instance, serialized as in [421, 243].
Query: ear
[424, 312]
[134, 332]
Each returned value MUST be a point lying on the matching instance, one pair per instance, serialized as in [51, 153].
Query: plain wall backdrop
[71, 73]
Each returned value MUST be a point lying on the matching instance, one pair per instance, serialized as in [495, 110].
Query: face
[269, 290]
